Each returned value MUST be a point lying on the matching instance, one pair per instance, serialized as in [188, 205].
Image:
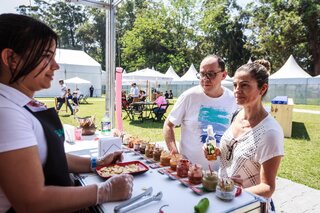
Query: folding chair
[126, 108]
[136, 109]
[160, 114]
[83, 99]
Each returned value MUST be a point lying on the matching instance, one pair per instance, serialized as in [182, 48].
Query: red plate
[131, 167]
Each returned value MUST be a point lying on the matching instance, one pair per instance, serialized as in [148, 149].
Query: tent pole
[110, 63]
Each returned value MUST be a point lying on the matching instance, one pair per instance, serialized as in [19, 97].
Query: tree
[223, 33]
[63, 18]
[281, 28]
[125, 18]
[161, 36]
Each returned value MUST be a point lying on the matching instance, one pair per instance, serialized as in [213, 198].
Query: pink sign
[118, 98]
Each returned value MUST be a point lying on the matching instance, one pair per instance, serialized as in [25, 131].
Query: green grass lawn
[302, 151]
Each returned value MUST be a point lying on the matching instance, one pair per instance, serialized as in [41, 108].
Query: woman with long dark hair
[33, 165]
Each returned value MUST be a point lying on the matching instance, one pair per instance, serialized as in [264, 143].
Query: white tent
[190, 75]
[74, 63]
[290, 70]
[146, 74]
[171, 73]
[77, 80]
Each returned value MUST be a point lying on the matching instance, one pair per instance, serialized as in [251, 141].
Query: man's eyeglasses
[230, 147]
[208, 75]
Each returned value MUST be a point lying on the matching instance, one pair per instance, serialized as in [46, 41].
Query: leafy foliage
[153, 33]
[281, 28]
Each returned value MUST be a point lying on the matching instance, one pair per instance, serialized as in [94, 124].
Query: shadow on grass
[299, 131]
[148, 124]
[65, 115]
[85, 104]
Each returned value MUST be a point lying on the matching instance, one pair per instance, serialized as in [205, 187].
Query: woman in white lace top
[252, 147]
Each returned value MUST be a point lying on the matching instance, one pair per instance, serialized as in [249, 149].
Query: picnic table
[143, 110]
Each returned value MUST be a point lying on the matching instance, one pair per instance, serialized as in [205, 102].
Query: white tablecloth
[179, 198]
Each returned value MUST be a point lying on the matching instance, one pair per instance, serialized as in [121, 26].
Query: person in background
[253, 146]
[170, 95]
[206, 104]
[124, 101]
[33, 165]
[134, 93]
[159, 110]
[76, 96]
[63, 97]
[142, 95]
[91, 89]
[166, 95]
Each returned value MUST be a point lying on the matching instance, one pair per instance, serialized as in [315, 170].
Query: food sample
[175, 158]
[183, 168]
[143, 148]
[136, 146]
[157, 153]
[210, 181]
[195, 174]
[116, 169]
[212, 152]
[130, 144]
[226, 184]
[149, 150]
[165, 158]
[225, 189]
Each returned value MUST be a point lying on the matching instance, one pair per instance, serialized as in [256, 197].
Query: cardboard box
[108, 144]
[283, 114]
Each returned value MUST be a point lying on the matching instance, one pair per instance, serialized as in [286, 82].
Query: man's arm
[169, 136]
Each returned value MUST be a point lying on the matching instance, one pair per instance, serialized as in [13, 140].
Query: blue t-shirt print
[218, 118]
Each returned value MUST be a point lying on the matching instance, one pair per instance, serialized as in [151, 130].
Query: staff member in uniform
[33, 165]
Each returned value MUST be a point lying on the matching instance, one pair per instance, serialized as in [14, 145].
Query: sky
[8, 6]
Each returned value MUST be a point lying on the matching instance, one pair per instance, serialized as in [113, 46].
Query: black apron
[55, 168]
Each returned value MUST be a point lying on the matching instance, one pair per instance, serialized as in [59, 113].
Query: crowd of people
[249, 140]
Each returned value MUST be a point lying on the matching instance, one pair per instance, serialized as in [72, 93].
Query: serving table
[177, 196]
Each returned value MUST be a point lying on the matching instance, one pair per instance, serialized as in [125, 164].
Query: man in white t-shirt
[207, 104]
[62, 98]
[134, 93]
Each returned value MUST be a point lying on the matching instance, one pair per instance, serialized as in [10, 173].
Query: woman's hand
[110, 158]
[211, 156]
[116, 188]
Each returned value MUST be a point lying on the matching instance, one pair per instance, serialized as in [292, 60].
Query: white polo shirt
[18, 128]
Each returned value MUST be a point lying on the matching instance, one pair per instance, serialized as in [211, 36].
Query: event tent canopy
[76, 80]
[290, 70]
[171, 73]
[75, 57]
[190, 75]
[146, 74]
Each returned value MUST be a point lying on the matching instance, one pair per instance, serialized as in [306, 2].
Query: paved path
[291, 197]
[307, 111]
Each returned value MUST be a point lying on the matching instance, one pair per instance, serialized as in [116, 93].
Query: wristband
[93, 164]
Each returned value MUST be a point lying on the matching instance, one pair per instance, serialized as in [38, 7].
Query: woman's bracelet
[93, 164]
